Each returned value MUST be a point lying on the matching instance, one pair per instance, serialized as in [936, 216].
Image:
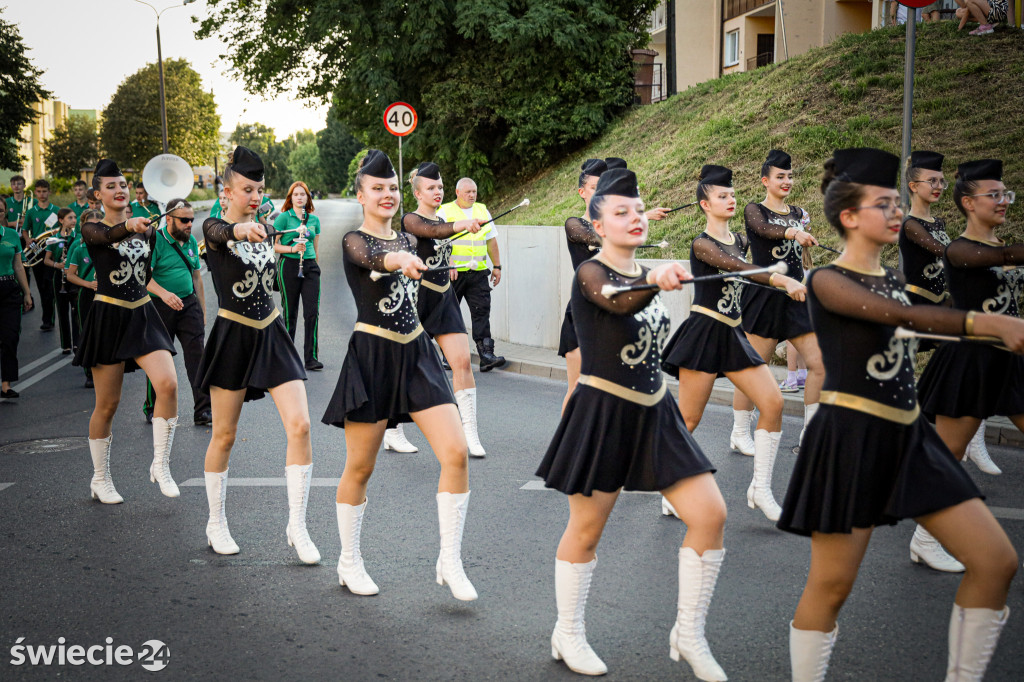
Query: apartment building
[697, 40]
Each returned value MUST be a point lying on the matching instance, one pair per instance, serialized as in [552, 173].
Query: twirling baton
[609, 290]
[904, 333]
[524, 202]
[270, 235]
[659, 245]
[680, 208]
[377, 274]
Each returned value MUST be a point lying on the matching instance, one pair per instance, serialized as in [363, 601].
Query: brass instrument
[36, 251]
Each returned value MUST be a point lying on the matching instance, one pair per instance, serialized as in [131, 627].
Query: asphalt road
[79, 570]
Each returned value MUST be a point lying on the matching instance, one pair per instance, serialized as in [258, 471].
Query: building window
[732, 48]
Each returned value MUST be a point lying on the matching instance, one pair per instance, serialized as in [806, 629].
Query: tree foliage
[131, 122]
[304, 164]
[262, 140]
[337, 147]
[20, 89]
[74, 146]
[498, 84]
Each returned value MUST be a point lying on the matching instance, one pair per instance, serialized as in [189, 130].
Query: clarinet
[63, 270]
[302, 256]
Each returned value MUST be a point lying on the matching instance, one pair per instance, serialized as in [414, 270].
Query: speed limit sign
[400, 119]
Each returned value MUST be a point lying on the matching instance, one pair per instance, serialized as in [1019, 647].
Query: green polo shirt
[57, 249]
[150, 210]
[79, 210]
[36, 219]
[16, 208]
[216, 211]
[79, 255]
[10, 248]
[169, 270]
[288, 221]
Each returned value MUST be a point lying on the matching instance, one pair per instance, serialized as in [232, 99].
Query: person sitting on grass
[985, 12]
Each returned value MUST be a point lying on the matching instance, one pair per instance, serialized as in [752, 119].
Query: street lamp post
[160, 62]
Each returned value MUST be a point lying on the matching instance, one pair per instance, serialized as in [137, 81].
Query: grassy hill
[969, 103]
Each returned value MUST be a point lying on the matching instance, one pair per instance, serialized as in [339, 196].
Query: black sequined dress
[583, 242]
[437, 306]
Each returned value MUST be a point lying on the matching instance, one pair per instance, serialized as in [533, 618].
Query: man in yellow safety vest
[470, 281]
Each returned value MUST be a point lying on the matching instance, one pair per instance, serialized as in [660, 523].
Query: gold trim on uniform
[924, 293]
[872, 407]
[645, 399]
[387, 333]
[394, 235]
[102, 298]
[434, 287]
[880, 272]
[248, 321]
[639, 268]
[715, 315]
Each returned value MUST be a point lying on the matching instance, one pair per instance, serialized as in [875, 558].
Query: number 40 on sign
[400, 119]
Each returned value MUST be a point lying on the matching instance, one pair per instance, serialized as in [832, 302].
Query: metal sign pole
[401, 194]
[908, 100]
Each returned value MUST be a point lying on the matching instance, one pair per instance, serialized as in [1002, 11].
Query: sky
[63, 36]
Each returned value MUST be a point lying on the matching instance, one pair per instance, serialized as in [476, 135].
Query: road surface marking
[5, 486]
[261, 482]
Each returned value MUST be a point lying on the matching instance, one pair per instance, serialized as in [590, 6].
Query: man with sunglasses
[177, 292]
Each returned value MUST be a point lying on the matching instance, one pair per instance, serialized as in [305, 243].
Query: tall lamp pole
[160, 62]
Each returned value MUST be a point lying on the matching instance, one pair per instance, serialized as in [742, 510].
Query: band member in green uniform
[80, 204]
[18, 204]
[38, 220]
[82, 275]
[56, 254]
[298, 276]
[143, 207]
[14, 297]
[177, 292]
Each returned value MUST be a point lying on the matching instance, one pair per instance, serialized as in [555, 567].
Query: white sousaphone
[168, 177]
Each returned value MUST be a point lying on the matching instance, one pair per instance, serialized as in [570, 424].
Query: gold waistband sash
[645, 399]
[872, 407]
[101, 298]
[716, 315]
[434, 287]
[924, 293]
[387, 333]
[248, 321]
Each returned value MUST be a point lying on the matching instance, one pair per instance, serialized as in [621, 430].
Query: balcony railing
[734, 8]
[650, 92]
[757, 61]
[659, 18]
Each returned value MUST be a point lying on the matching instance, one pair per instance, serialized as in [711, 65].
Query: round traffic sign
[400, 119]
[916, 4]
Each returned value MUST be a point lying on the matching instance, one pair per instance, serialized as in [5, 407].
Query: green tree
[131, 122]
[337, 147]
[20, 89]
[74, 146]
[498, 84]
[304, 164]
[262, 140]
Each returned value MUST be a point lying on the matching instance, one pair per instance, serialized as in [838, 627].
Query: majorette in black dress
[773, 314]
[437, 306]
[248, 347]
[869, 456]
[711, 339]
[122, 323]
[973, 379]
[922, 245]
[621, 428]
[579, 237]
[390, 369]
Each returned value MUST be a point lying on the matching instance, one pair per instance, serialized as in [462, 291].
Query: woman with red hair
[298, 276]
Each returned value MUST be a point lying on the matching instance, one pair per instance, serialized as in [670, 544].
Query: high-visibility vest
[469, 246]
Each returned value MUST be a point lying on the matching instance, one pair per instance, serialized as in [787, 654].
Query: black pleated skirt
[604, 443]
[856, 470]
[703, 344]
[238, 357]
[112, 334]
[567, 341]
[383, 379]
[439, 312]
[774, 315]
[972, 380]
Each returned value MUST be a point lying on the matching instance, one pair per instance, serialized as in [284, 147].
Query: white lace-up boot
[394, 439]
[809, 411]
[697, 577]
[102, 486]
[667, 509]
[759, 494]
[977, 452]
[217, 534]
[351, 571]
[740, 439]
[298, 478]
[451, 516]
[925, 548]
[809, 652]
[160, 469]
[569, 640]
[466, 399]
[973, 635]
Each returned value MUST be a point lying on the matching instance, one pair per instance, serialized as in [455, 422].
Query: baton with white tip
[659, 245]
[904, 333]
[269, 236]
[521, 204]
[609, 290]
[377, 274]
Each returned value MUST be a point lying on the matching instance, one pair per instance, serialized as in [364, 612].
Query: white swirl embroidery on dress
[140, 272]
[257, 255]
[267, 280]
[654, 321]
[122, 274]
[730, 299]
[412, 290]
[245, 288]
[133, 249]
[999, 303]
[393, 301]
[442, 250]
[885, 365]
[788, 246]
[933, 270]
